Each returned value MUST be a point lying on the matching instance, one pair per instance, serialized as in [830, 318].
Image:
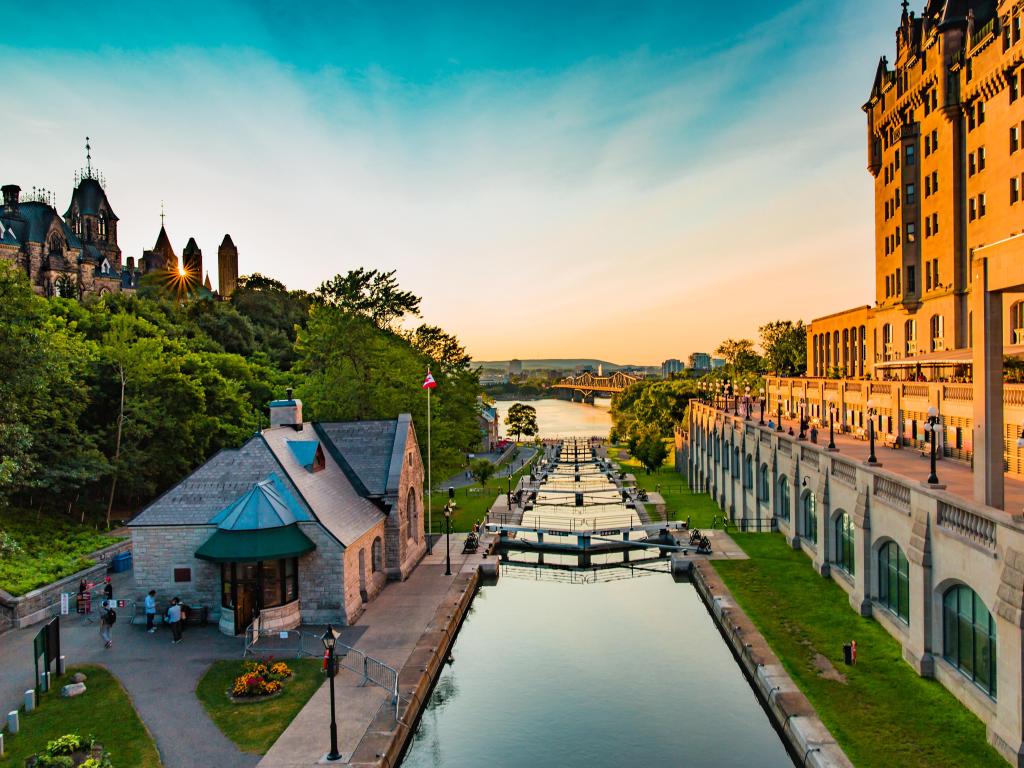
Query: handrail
[967, 524]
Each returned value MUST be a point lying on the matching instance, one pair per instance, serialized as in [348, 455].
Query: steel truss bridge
[587, 383]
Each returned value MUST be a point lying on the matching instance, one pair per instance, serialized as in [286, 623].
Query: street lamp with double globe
[329, 639]
[932, 427]
[871, 410]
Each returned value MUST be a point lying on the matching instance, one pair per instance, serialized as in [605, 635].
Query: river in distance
[547, 673]
[563, 418]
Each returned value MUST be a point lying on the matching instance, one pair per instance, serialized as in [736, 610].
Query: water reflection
[592, 673]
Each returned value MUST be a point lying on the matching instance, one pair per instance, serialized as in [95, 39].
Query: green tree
[370, 293]
[785, 347]
[275, 314]
[522, 420]
[483, 470]
[651, 452]
[740, 356]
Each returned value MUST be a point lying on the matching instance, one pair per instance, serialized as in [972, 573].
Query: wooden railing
[892, 492]
[967, 524]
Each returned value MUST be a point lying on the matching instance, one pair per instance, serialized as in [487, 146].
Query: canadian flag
[429, 383]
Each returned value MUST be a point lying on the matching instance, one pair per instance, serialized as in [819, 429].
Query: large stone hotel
[938, 561]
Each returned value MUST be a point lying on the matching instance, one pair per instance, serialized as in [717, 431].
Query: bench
[860, 434]
[889, 441]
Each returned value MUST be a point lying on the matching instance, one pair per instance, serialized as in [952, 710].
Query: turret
[227, 267]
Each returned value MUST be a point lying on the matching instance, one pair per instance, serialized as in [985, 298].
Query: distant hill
[567, 364]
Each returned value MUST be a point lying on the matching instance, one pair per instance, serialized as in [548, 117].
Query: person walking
[107, 619]
[151, 611]
[174, 619]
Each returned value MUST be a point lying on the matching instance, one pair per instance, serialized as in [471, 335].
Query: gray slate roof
[215, 485]
[32, 223]
[367, 448]
[91, 199]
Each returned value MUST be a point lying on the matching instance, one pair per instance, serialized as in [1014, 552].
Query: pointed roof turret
[227, 242]
[207, 284]
[165, 250]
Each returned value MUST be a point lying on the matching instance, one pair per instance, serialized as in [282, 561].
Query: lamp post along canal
[931, 426]
[448, 531]
[871, 432]
[760, 402]
[803, 419]
[746, 398]
[735, 399]
[778, 425]
[329, 640]
[831, 420]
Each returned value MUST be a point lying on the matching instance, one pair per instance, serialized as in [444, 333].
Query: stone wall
[159, 550]
[362, 583]
[321, 576]
[947, 541]
[44, 602]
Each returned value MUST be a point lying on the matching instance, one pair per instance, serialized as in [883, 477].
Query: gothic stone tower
[227, 267]
[192, 260]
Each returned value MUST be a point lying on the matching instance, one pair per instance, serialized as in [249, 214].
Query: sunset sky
[630, 181]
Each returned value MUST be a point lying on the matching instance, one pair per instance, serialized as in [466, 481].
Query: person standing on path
[107, 619]
[151, 611]
[174, 618]
[108, 590]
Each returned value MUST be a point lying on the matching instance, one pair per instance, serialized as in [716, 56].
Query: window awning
[247, 546]
[947, 357]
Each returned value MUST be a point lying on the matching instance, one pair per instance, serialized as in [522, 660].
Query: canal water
[563, 418]
[592, 669]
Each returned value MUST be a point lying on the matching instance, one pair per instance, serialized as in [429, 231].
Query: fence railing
[845, 472]
[967, 524]
[895, 493]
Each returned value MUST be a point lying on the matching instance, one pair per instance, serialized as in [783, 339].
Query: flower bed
[259, 680]
[70, 751]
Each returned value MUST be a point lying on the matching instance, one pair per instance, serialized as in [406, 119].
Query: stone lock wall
[159, 550]
[947, 540]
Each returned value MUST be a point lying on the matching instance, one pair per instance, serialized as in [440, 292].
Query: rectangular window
[981, 159]
[981, 113]
[927, 186]
[911, 194]
[927, 145]
[182, 575]
[935, 223]
[898, 286]
[972, 164]
[910, 154]
[1014, 190]
[911, 232]
[897, 237]
[897, 198]
[970, 117]
[927, 226]
[972, 212]
[935, 182]
[897, 166]
[981, 204]
[911, 280]
[1014, 138]
[927, 275]
[1014, 86]
[935, 137]
[888, 290]
[935, 272]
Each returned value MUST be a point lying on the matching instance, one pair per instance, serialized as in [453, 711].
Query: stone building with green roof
[304, 523]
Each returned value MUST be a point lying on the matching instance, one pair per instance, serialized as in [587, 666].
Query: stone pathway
[160, 677]
[393, 624]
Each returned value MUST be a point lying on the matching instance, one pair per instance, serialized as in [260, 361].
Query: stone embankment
[792, 714]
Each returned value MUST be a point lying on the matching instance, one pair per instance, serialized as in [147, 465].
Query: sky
[629, 181]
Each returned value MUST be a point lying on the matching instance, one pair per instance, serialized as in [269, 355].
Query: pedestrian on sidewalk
[174, 619]
[107, 619]
[151, 611]
[108, 590]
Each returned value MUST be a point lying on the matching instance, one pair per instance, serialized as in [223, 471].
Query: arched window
[782, 499]
[736, 461]
[56, 245]
[887, 341]
[809, 517]
[969, 637]
[725, 461]
[765, 482]
[412, 512]
[937, 328]
[844, 542]
[748, 472]
[910, 334]
[894, 580]
[377, 555]
[1017, 323]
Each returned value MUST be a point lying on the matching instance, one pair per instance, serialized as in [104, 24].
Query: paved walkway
[160, 678]
[461, 481]
[913, 464]
[393, 624]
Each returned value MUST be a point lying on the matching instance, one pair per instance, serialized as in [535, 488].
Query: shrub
[250, 684]
[67, 744]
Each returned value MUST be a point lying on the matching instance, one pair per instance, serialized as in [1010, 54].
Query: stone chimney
[287, 412]
[11, 195]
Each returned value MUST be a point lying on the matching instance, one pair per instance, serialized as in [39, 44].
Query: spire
[207, 284]
[161, 215]
[88, 158]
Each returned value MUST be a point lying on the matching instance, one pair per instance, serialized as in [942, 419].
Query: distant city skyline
[624, 165]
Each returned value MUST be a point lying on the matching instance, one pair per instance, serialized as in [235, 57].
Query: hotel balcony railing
[938, 344]
[981, 34]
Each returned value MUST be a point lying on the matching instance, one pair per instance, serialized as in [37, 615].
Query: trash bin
[121, 562]
[848, 653]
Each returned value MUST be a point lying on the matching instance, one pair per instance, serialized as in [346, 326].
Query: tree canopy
[521, 420]
[785, 347]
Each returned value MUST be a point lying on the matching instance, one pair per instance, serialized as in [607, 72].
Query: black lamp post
[329, 640]
[748, 403]
[831, 433]
[932, 428]
[803, 420]
[448, 531]
[871, 432]
[735, 399]
[760, 402]
[778, 427]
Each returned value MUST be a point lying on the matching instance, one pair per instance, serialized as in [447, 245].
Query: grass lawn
[255, 727]
[680, 502]
[104, 712]
[884, 714]
[472, 503]
[52, 547]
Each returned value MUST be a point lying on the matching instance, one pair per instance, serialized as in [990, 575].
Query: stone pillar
[987, 308]
[860, 600]
[821, 510]
[917, 651]
[1005, 732]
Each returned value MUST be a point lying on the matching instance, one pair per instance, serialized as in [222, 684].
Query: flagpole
[430, 485]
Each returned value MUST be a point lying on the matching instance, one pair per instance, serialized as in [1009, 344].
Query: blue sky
[635, 168]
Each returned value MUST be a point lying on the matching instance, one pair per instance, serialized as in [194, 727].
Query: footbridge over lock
[578, 503]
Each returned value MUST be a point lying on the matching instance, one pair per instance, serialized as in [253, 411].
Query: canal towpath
[395, 624]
